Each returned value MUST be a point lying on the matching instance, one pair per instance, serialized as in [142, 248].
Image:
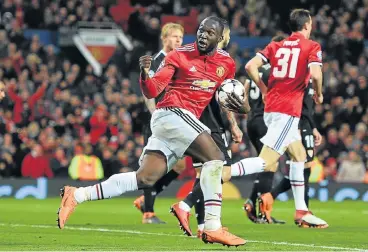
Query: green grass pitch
[116, 225]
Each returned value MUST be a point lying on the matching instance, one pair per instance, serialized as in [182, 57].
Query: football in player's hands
[228, 87]
[145, 63]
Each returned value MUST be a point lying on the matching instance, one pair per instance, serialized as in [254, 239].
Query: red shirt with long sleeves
[18, 102]
[98, 128]
[36, 167]
[189, 77]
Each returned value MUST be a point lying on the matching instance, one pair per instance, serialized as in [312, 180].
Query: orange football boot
[305, 219]
[265, 206]
[139, 203]
[67, 206]
[183, 218]
[222, 236]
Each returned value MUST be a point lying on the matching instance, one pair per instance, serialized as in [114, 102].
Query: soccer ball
[227, 87]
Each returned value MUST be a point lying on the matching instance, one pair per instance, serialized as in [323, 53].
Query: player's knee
[146, 179]
[226, 174]
[179, 168]
[198, 172]
[300, 156]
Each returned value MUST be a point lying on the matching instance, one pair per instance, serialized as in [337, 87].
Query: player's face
[174, 39]
[208, 35]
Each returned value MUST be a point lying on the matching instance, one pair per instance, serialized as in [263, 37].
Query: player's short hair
[226, 25]
[219, 22]
[170, 26]
[298, 18]
[278, 38]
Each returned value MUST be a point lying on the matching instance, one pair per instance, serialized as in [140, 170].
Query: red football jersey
[190, 79]
[290, 60]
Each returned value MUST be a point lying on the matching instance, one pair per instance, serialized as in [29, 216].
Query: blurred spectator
[85, 166]
[59, 163]
[352, 169]
[35, 165]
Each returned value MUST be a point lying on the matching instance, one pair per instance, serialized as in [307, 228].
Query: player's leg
[205, 149]
[256, 130]
[303, 217]
[279, 134]
[308, 143]
[152, 167]
[164, 148]
[195, 197]
[145, 203]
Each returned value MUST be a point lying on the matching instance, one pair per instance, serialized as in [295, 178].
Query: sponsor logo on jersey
[220, 71]
[204, 84]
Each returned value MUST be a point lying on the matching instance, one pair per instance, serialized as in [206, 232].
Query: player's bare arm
[236, 132]
[252, 69]
[316, 76]
[150, 103]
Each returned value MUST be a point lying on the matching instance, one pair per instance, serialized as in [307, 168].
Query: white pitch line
[174, 235]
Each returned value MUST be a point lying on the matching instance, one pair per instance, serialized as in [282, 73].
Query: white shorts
[173, 131]
[282, 130]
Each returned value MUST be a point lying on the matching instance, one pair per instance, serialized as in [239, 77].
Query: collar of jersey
[204, 55]
[297, 35]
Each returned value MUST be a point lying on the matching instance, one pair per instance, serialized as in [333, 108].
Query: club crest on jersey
[319, 55]
[220, 71]
[204, 84]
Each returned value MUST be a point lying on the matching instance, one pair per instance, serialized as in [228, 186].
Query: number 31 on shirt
[287, 62]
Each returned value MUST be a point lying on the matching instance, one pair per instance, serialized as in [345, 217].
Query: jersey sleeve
[315, 55]
[266, 53]
[154, 85]
[231, 71]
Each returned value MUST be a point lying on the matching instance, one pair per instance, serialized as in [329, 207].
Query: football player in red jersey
[190, 76]
[293, 62]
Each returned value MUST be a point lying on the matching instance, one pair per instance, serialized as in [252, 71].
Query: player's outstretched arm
[152, 87]
[252, 69]
[316, 76]
[236, 132]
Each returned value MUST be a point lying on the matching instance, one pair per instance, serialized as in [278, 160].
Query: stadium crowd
[58, 117]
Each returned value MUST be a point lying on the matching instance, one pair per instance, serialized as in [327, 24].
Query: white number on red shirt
[283, 64]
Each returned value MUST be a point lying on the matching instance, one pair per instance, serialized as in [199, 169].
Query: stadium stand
[57, 109]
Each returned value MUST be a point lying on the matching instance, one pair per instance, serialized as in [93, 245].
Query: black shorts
[220, 140]
[307, 139]
[256, 130]
[147, 133]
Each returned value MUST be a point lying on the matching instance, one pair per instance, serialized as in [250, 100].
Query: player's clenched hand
[317, 137]
[237, 134]
[145, 63]
[235, 104]
[318, 99]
